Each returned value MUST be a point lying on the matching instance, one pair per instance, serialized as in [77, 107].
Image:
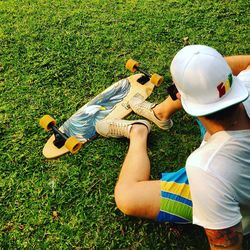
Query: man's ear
[178, 95]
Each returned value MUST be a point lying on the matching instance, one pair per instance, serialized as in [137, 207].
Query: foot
[145, 109]
[118, 128]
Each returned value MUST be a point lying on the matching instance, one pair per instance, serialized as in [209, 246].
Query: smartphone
[172, 91]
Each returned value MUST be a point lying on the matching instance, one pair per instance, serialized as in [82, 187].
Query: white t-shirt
[219, 177]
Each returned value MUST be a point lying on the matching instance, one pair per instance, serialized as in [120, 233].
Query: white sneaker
[145, 109]
[118, 128]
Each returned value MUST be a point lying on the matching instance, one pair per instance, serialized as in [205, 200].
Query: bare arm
[238, 63]
[226, 239]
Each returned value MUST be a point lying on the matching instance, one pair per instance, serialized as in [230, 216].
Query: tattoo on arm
[225, 238]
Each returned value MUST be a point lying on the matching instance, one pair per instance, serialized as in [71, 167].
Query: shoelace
[145, 107]
[118, 129]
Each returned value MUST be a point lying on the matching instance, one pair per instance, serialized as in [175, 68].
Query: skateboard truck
[145, 77]
[133, 66]
[61, 139]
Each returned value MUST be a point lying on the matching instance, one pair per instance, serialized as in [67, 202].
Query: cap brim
[237, 94]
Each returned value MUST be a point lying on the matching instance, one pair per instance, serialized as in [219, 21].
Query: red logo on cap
[222, 90]
[224, 87]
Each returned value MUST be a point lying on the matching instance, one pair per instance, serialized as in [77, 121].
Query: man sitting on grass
[217, 174]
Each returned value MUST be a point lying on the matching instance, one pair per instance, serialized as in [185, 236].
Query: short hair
[225, 115]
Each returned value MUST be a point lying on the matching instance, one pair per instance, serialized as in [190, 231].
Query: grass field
[56, 55]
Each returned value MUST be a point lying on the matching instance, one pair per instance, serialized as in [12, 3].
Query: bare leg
[165, 109]
[135, 194]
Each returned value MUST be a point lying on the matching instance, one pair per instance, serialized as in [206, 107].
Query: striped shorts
[176, 203]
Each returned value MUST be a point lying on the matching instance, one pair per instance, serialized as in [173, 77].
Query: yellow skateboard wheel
[46, 121]
[131, 65]
[156, 79]
[73, 145]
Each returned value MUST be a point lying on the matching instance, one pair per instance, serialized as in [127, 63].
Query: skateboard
[113, 102]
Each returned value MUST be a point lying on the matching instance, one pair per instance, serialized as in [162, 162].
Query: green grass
[54, 57]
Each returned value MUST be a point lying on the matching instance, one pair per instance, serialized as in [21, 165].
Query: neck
[238, 121]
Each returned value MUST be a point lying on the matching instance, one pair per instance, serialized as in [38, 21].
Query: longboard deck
[118, 111]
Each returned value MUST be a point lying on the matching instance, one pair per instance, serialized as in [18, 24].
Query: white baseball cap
[205, 81]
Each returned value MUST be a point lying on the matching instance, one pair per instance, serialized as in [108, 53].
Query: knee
[125, 200]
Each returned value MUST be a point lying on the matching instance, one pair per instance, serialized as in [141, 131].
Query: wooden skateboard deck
[113, 102]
